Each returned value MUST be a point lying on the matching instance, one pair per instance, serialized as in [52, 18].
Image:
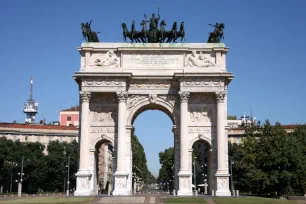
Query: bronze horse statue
[171, 35]
[88, 34]
[127, 33]
[217, 34]
[181, 33]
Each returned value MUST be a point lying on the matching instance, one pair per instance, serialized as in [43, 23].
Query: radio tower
[30, 107]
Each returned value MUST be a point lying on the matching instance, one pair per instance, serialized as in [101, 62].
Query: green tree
[268, 161]
[140, 162]
[166, 172]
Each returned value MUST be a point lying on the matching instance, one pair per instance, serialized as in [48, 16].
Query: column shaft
[84, 151]
[184, 137]
[221, 135]
[121, 136]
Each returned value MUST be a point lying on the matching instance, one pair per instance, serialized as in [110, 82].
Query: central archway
[164, 104]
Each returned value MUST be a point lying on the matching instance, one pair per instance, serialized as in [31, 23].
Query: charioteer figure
[153, 21]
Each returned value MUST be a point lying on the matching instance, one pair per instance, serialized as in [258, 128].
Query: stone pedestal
[121, 183]
[222, 185]
[82, 187]
[185, 186]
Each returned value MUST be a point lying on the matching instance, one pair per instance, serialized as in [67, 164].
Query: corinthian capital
[184, 96]
[85, 96]
[122, 96]
[220, 96]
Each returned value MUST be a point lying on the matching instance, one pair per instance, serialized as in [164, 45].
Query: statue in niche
[195, 60]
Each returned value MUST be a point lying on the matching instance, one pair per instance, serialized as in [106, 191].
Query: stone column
[83, 175]
[185, 187]
[222, 175]
[121, 173]
[176, 157]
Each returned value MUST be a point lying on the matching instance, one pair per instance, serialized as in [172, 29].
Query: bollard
[233, 192]
[173, 192]
[47, 194]
[60, 194]
[196, 193]
[53, 193]
[237, 193]
[40, 194]
[212, 193]
[33, 195]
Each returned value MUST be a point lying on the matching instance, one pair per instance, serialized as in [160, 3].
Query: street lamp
[231, 166]
[68, 166]
[194, 174]
[20, 181]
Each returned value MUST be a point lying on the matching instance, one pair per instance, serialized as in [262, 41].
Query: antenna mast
[30, 107]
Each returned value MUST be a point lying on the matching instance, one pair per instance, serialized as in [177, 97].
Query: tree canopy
[41, 171]
[270, 161]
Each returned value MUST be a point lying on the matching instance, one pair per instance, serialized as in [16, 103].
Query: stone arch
[102, 138]
[200, 137]
[147, 104]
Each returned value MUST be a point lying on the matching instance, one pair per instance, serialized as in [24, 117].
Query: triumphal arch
[187, 81]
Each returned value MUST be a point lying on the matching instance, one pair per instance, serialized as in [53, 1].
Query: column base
[121, 183]
[222, 185]
[185, 185]
[82, 187]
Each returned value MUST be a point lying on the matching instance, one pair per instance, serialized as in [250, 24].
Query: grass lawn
[49, 200]
[251, 200]
[184, 200]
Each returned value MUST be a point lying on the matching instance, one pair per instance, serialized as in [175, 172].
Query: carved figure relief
[201, 115]
[110, 59]
[83, 183]
[133, 99]
[103, 114]
[120, 182]
[152, 98]
[199, 60]
[170, 99]
[221, 183]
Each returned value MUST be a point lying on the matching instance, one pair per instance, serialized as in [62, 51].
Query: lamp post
[194, 174]
[20, 181]
[68, 166]
[231, 167]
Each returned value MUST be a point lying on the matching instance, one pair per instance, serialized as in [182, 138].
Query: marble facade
[188, 82]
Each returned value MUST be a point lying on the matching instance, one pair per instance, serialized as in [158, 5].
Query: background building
[70, 116]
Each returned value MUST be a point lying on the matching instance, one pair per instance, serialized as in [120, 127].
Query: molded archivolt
[103, 138]
[200, 137]
[145, 104]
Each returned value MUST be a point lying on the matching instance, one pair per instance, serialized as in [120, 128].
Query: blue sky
[267, 55]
